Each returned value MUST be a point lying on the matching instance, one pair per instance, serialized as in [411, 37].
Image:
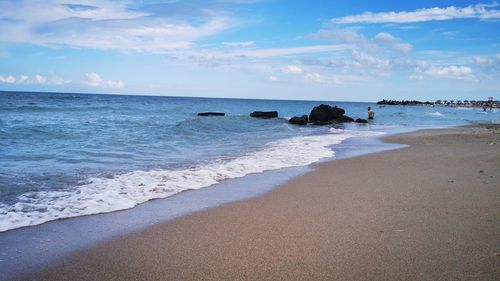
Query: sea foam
[123, 191]
[437, 113]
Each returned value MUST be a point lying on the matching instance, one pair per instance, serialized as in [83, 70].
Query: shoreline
[21, 247]
[278, 236]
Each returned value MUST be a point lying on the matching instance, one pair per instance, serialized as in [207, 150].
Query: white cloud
[104, 25]
[403, 47]
[239, 44]
[385, 37]
[416, 77]
[95, 80]
[318, 78]
[40, 79]
[264, 60]
[292, 69]
[114, 84]
[450, 72]
[370, 63]
[272, 78]
[314, 77]
[361, 58]
[56, 80]
[454, 72]
[51, 79]
[478, 11]
[488, 63]
[358, 41]
[9, 79]
[23, 78]
[53, 10]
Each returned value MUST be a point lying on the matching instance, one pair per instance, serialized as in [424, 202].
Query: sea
[66, 155]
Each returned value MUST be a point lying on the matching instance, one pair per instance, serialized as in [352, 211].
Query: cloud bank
[92, 79]
[239, 44]
[455, 72]
[106, 25]
[478, 11]
[37, 79]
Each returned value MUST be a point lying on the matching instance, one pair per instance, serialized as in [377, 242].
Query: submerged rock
[321, 123]
[302, 120]
[343, 119]
[211, 114]
[264, 114]
[359, 120]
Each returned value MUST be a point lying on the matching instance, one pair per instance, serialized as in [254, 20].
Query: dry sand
[427, 212]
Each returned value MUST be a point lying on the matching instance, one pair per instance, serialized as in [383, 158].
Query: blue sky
[312, 50]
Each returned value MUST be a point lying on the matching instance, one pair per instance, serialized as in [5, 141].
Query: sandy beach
[430, 211]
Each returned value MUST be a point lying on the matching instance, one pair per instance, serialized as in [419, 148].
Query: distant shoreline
[451, 103]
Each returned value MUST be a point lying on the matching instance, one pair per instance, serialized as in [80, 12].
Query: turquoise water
[66, 155]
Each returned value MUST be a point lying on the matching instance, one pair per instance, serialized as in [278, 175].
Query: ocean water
[68, 155]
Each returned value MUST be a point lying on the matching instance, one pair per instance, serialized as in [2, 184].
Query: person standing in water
[371, 113]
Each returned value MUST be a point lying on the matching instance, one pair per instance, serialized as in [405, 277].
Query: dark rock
[264, 114]
[321, 123]
[343, 119]
[325, 113]
[211, 114]
[302, 120]
[359, 120]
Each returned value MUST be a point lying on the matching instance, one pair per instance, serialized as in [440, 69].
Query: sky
[267, 49]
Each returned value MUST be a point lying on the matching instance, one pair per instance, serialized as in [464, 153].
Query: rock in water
[264, 114]
[302, 120]
[211, 114]
[359, 120]
[343, 119]
[321, 123]
[325, 113]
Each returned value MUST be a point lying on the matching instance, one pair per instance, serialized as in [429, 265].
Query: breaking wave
[123, 191]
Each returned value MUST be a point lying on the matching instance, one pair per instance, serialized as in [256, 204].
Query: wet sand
[427, 212]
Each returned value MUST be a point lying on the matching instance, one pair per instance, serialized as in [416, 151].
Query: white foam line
[437, 113]
[124, 191]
